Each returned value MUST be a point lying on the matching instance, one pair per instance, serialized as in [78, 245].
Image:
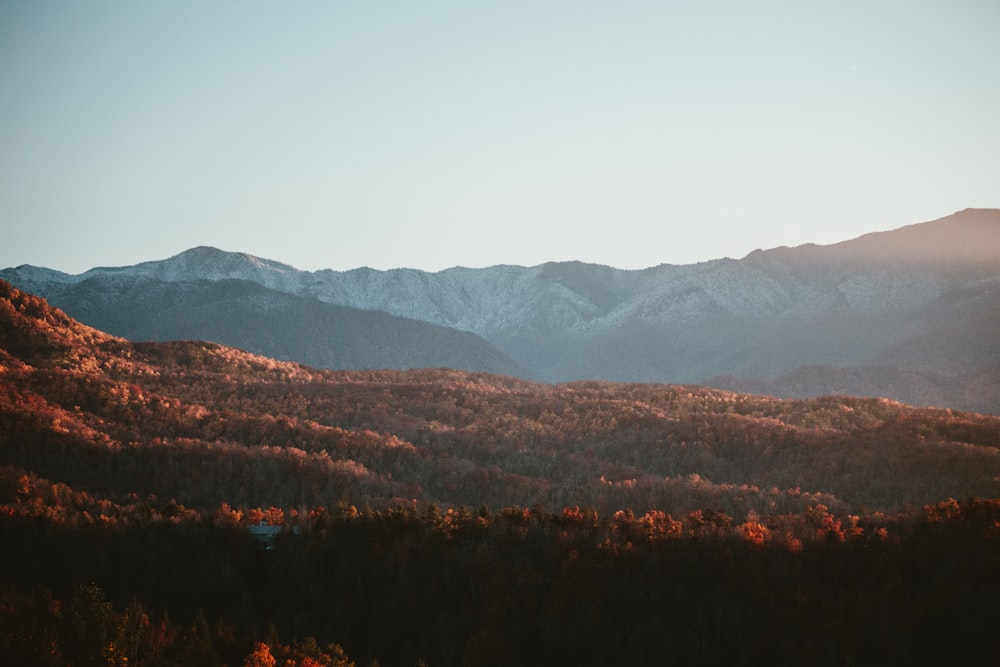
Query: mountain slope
[249, 316]
[978, 390]
[919, 299]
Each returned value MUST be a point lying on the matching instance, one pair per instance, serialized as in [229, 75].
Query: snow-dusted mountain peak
[210, 263]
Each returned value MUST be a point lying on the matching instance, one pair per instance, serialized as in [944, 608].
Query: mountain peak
[203, 252]
[212, 256]
[970, 236]
[203, 263]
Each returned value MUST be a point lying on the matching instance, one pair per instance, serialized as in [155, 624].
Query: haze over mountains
[910, 314]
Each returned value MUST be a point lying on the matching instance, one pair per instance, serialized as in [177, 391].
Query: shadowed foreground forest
[189, 504]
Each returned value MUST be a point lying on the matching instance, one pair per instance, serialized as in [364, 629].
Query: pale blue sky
[433, 134]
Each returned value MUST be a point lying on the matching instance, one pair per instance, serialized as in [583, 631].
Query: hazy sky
[432, 134]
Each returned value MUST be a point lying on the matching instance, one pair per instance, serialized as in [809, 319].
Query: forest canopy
[461, 506]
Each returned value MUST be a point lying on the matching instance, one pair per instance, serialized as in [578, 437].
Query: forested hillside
[244, 314]
[117, 417]
[473, 519]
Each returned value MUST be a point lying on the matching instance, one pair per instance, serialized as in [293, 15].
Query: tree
[260, 656]
[88, 626]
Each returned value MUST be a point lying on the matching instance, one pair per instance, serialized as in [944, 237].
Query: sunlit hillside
[119, 418]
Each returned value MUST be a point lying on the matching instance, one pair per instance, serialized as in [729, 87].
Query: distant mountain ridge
[250, 316]
[921, 299]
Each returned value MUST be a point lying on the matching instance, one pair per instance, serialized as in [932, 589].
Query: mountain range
[910, 314]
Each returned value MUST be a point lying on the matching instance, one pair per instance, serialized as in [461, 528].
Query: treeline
[422, 585]
[87, 629]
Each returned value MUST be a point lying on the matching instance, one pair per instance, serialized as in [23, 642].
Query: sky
[434, 134]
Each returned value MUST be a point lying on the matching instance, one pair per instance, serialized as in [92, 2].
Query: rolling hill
[106, 414]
